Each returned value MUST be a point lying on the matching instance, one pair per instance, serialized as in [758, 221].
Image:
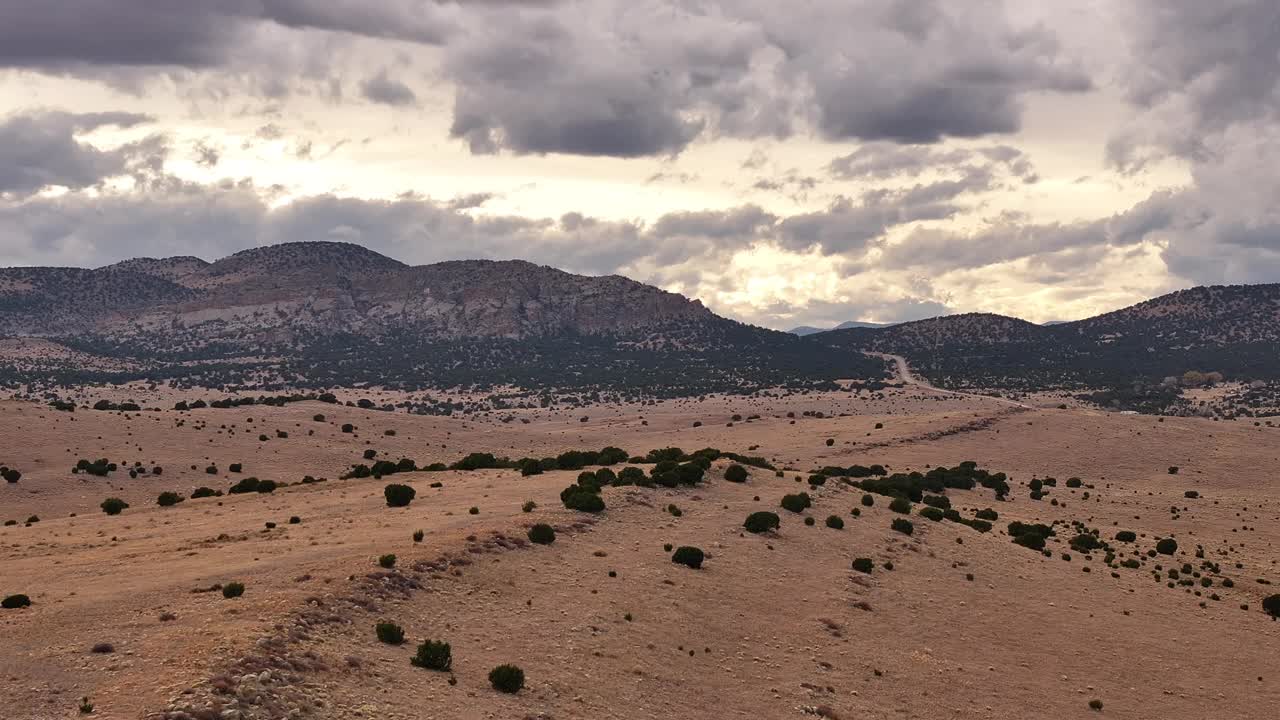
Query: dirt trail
[903, 371]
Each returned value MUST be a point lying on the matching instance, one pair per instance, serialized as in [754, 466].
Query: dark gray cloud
[538, 85]
[612, 77]
[1205, 84]
[890, 161]
[1199, 69]
[36, 33]
[576, 82]
[43, 149]
[62, 35]
[885, 160]
[386, 90]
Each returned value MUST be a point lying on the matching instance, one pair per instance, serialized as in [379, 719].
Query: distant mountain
[320, 314]
[804, 330]
[1234, 330]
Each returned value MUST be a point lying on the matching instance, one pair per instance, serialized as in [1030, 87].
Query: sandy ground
[772, 626]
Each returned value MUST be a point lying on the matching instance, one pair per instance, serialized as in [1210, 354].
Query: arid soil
[602, 622]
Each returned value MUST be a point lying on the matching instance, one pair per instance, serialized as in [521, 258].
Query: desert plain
[126, 615]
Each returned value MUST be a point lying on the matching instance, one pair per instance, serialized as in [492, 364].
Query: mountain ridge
[326, 313]
[331, 314]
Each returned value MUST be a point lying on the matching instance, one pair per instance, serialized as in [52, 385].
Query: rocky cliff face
[275, 293]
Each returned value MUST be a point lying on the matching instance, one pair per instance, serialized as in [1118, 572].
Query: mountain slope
[310, 314]
[1230, 329]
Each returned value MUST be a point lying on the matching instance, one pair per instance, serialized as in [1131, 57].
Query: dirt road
[903, 371]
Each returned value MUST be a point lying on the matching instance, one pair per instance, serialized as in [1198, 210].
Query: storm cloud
[1051, 158]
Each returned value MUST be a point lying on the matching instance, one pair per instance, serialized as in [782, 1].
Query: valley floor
[964, 625]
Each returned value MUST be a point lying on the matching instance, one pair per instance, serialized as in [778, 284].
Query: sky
[802, 163]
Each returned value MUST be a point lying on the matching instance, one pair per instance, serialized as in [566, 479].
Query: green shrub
[1271, 605]
[1035, 541]
[235, 467]
[399, 495]
[942, 502]
[809, 521]
[630, 475]
[835, 522]
[1191, 495]
[232, 590]
[247, 485]
[1018, 528]
[529, 506]
[796, 503]
[988, 514]
[506, 678]
[13, 602]
[900, 505]
[868, 500]
[1073, 482]
[903, 526]
[689, 556]
[113, 506]
[578, 498]
[1126, 536]
[762, 521]
[169, 499]
[433, 655]
[418, 535]
[389, 633]
[542, 534]
[387, 561]
[1167, 546]
[863, 565]
[690, 473]
[1085, 542]
[735, 473]
[931, 513]
[204, 492]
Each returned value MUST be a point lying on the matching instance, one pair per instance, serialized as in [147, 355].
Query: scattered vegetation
[761, 521]
[507, 679]
[542, 534]
[398, 495]
[433, 655]
[389, 633]
[688, 556]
